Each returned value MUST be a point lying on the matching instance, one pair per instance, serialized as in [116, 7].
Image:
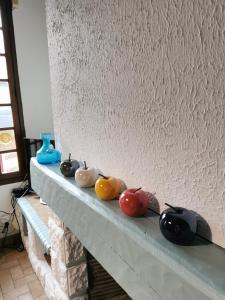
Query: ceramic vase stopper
[109, 187]
[134, 202]
[86, 177]
[69, 166]
[178, 225]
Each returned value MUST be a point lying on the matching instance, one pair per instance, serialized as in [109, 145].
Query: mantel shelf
[132, 250]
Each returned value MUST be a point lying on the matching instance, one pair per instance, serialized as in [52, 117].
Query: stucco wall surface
[138, 91]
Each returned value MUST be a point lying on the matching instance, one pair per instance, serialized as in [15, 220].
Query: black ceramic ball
[68, 167]
[179, 225]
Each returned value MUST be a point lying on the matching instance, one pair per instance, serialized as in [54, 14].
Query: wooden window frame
[14, 87]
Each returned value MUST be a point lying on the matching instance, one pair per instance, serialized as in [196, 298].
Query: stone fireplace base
[66, 277]
[70, 272]
[132, 250]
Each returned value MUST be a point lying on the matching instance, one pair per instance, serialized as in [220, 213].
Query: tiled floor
[17, 278]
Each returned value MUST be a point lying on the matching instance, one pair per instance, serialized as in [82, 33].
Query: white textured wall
[138, 91]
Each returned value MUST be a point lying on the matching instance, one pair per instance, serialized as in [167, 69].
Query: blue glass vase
[47, 154]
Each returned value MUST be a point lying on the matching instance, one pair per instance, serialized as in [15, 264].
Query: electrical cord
[5, 231]
[4, 212]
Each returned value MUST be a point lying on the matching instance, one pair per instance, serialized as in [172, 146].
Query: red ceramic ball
[134, 202]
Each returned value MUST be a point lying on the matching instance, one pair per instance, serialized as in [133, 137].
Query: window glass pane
[9, 162]
[6, 119]
[7, 140]
[4, 93]
[2, 46]
[3, 68]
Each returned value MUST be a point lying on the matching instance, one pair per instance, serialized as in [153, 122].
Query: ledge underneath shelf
[132, 250]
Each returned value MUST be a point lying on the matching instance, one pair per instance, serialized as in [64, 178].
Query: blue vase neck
[46, 142]
[46, 138]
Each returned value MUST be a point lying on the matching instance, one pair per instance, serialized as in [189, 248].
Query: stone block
[56, 235]
[74, 250]
[77, 280]
[34, 243]
[59, 271]
[55, 219]
[84, 297]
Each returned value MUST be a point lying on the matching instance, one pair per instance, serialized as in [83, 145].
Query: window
[12, 164]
